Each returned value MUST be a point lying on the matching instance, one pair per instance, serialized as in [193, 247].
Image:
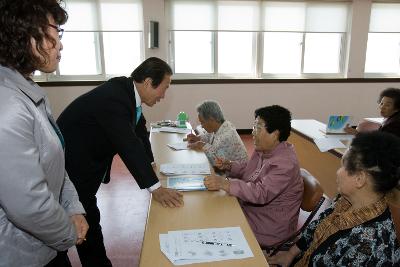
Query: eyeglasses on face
[258, 127]
[58, 29]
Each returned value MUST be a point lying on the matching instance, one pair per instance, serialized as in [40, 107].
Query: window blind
[104, 15]
[385, 17]
[301, 16]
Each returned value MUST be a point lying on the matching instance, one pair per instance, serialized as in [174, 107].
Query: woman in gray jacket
[40, 213]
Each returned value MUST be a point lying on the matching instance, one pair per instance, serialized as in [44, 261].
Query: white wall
[314, 100]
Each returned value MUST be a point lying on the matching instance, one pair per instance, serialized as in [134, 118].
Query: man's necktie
[138, 113]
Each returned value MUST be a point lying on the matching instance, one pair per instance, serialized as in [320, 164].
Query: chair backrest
[312, 191]
[313, 197]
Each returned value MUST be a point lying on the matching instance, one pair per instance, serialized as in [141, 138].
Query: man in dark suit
[107, 121]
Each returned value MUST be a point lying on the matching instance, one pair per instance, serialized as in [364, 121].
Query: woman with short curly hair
[40, 213]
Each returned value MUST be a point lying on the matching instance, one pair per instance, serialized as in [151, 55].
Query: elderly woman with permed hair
[389, 109]
[269, 186]
[358, 230]
[221, 139]
[40, 212]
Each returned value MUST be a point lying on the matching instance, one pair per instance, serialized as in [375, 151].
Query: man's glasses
[58, 29]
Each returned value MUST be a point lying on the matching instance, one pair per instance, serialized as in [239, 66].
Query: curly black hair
[378, 154]
[393, 93]
[154, 68]
[276, 118]
[21, 20]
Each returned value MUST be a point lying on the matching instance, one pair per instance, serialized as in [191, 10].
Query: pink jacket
[270, 190]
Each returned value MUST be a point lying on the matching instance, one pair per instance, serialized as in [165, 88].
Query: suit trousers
[91, 252]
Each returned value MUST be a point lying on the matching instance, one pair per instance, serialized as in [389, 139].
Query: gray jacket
[36, 195]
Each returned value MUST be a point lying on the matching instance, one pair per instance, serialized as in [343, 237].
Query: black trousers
[92, 252]
[61, 260]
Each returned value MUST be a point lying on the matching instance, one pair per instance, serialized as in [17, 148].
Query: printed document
[204, 245]
[185, 168]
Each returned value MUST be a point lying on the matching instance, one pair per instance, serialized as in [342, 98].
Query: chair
[312, 200]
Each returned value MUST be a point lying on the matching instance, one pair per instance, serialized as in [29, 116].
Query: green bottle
[181, 119]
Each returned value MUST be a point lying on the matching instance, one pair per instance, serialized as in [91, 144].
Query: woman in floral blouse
[221, 139]
[358, 229]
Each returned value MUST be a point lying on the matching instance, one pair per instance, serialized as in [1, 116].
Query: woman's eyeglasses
[58, 29]
[258, 127]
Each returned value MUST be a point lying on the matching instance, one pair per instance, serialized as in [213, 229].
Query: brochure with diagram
[182, 183]
[337, 123]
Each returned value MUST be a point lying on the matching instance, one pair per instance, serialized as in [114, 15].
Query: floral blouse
[372, 243]
[225, 143]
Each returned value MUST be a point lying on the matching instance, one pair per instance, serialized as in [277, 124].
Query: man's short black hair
[153, 68]
[276, 118]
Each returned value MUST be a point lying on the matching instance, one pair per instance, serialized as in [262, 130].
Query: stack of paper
[333, 141]
[204, 245]
[325, 144]
[185, 168]
[171, 130]
[186, 183]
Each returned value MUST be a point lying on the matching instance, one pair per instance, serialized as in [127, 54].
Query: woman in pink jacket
[269, 185]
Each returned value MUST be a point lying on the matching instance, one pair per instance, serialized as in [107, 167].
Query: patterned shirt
[372, 243]
[225, 143]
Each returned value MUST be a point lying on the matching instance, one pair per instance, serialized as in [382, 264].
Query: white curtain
[302, 16]
[104, 15]
[385, 17]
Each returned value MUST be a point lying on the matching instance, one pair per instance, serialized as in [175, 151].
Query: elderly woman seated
[389, 107]
[269, 185]
[221, 139]
[358, 229]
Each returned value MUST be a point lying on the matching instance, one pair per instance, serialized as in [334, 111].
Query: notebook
[186, 183]
[337, 123]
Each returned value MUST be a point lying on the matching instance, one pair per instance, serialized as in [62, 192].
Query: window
[213, 38]
[383, 47]
[257, 38]
[102, 38]
[193, 47]
[304, 38]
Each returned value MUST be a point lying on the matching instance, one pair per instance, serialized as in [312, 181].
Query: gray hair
[211, 109]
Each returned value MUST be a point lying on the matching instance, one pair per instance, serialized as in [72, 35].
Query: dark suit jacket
[392, 124]
[100, 124]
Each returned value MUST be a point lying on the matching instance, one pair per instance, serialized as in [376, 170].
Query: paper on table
[185, 168]
[179, 146]
[171, 130]
[325, 144]
[185, 247]
[186, 183]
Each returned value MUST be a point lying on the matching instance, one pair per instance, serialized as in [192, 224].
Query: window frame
[257, 58]
[100, 57]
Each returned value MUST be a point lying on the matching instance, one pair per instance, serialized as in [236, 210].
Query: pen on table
[217, 243]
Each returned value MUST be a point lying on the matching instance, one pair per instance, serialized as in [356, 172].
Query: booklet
[186, 183]
[337, 123]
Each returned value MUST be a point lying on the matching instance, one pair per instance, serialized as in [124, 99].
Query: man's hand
[168, 197]
[81, 227]
[215, 182]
